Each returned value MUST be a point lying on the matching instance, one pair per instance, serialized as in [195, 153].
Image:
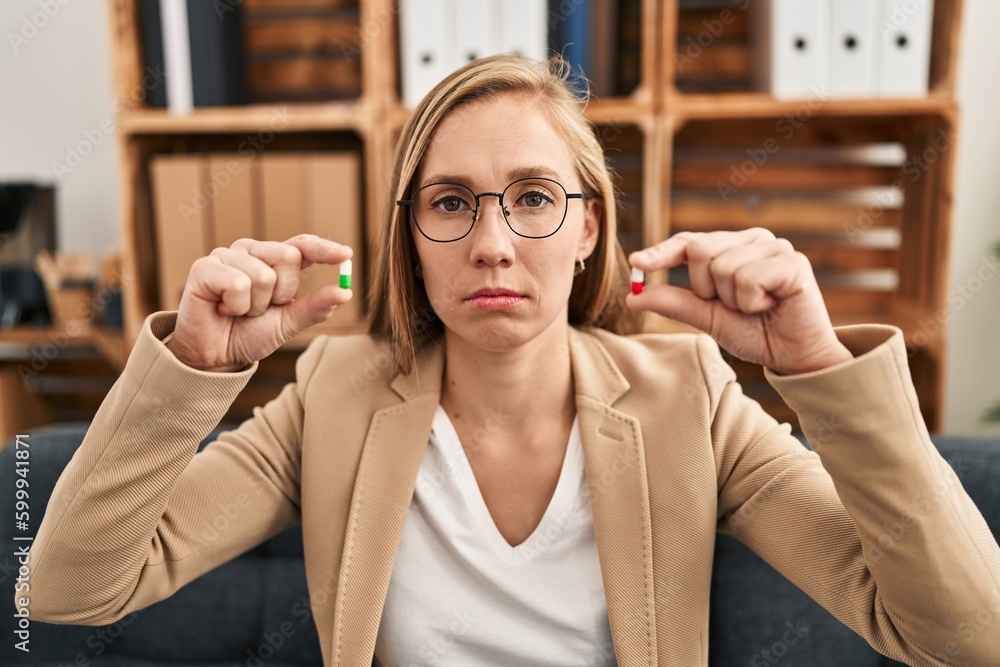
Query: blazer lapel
[619, 497]
[387, 473]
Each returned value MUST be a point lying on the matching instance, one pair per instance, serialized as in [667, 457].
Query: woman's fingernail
[638, 280]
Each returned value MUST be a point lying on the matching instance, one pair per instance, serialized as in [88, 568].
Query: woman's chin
[495, 334]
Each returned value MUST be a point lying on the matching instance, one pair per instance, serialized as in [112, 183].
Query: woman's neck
[518, 395]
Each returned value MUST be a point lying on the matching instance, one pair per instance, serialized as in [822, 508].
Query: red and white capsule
[638, 280]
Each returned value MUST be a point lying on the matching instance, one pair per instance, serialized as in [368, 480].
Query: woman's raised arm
[137, 513]
[873, 523]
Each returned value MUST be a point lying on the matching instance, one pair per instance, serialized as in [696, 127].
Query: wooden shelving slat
[711, 106]
[293, 117]
[621, 111]
[611, 111]
[109, 343]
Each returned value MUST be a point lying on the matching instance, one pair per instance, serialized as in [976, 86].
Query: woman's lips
[495, 301]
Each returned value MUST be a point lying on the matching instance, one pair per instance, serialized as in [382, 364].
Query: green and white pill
[345, 274]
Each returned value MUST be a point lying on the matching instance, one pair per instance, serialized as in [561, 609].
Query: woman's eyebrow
[446, 178]
[527, 172]
[512, 175]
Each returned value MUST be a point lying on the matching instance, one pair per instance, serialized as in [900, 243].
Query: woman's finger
[317, 250]
[284, 258]
[683, 305]
[225, 287]
[697, 250]
[701, 252]
[724, 266]
[263, 278]
[760, 284]
[665, 254]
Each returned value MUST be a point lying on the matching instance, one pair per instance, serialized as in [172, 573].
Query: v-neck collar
[567, 486]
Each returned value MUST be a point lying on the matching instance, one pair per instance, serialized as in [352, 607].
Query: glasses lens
[444, 211]
[536, 206]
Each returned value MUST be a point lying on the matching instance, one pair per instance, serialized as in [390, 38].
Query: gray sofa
[254, 610]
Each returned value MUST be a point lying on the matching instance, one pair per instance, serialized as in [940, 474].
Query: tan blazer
[874, 524]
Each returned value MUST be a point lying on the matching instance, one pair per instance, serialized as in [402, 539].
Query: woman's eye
[534, 200]
[449, 204]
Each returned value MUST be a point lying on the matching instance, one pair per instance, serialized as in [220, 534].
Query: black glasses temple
[404, 202]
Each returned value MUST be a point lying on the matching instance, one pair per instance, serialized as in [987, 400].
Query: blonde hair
[399, 308]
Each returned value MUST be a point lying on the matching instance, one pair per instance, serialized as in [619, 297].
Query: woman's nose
[490, 205]
[491, 236]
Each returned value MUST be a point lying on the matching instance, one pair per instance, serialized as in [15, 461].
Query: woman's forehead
[496, 141]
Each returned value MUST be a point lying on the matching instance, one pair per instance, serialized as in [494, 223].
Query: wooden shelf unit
[679, 130]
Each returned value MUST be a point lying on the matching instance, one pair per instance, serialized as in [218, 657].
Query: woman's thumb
[676, 303]
[317, 307]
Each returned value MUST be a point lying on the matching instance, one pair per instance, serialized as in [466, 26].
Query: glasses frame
[499, 195]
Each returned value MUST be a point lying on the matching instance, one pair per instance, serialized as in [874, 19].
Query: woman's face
[486, 145]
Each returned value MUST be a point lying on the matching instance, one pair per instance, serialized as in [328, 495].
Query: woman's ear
[591, 226]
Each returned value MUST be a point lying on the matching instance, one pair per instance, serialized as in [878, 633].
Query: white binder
[427, 45]
[477, 30]
[905, 29]
[177, 55]
[524, 27]
[791, 47]
[854, 47]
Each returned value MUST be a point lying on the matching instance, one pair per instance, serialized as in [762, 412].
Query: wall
[55, 83]
[973, 373]
[56, 91]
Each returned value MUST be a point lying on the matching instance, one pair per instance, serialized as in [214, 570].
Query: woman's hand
[753, 293]
[239, 304]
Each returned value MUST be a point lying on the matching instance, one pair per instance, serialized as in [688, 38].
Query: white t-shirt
[461, 595]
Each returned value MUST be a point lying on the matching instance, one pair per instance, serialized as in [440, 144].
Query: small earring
[580, 266]
[418, 271]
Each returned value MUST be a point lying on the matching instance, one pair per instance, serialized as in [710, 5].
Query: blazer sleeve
[137, 513]
[873, 523]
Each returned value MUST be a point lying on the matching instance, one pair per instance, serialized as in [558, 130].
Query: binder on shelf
[315, 193]
[476, 30]
[603, 55]
[854, 47]
[234, 210]
[791, 47]
[437, 37]
[203, 202]
[200, 51]
[585, 33]
[218, 71]
[570, 37]
[177, 55]
[151, 37]
[182, 221]
[282, 203]
[524, 27]
[427, 45]
[333, 211]
[905, 30]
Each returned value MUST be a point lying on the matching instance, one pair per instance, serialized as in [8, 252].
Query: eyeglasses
[535, 208]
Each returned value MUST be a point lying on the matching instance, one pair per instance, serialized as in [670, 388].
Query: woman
[516, 482]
